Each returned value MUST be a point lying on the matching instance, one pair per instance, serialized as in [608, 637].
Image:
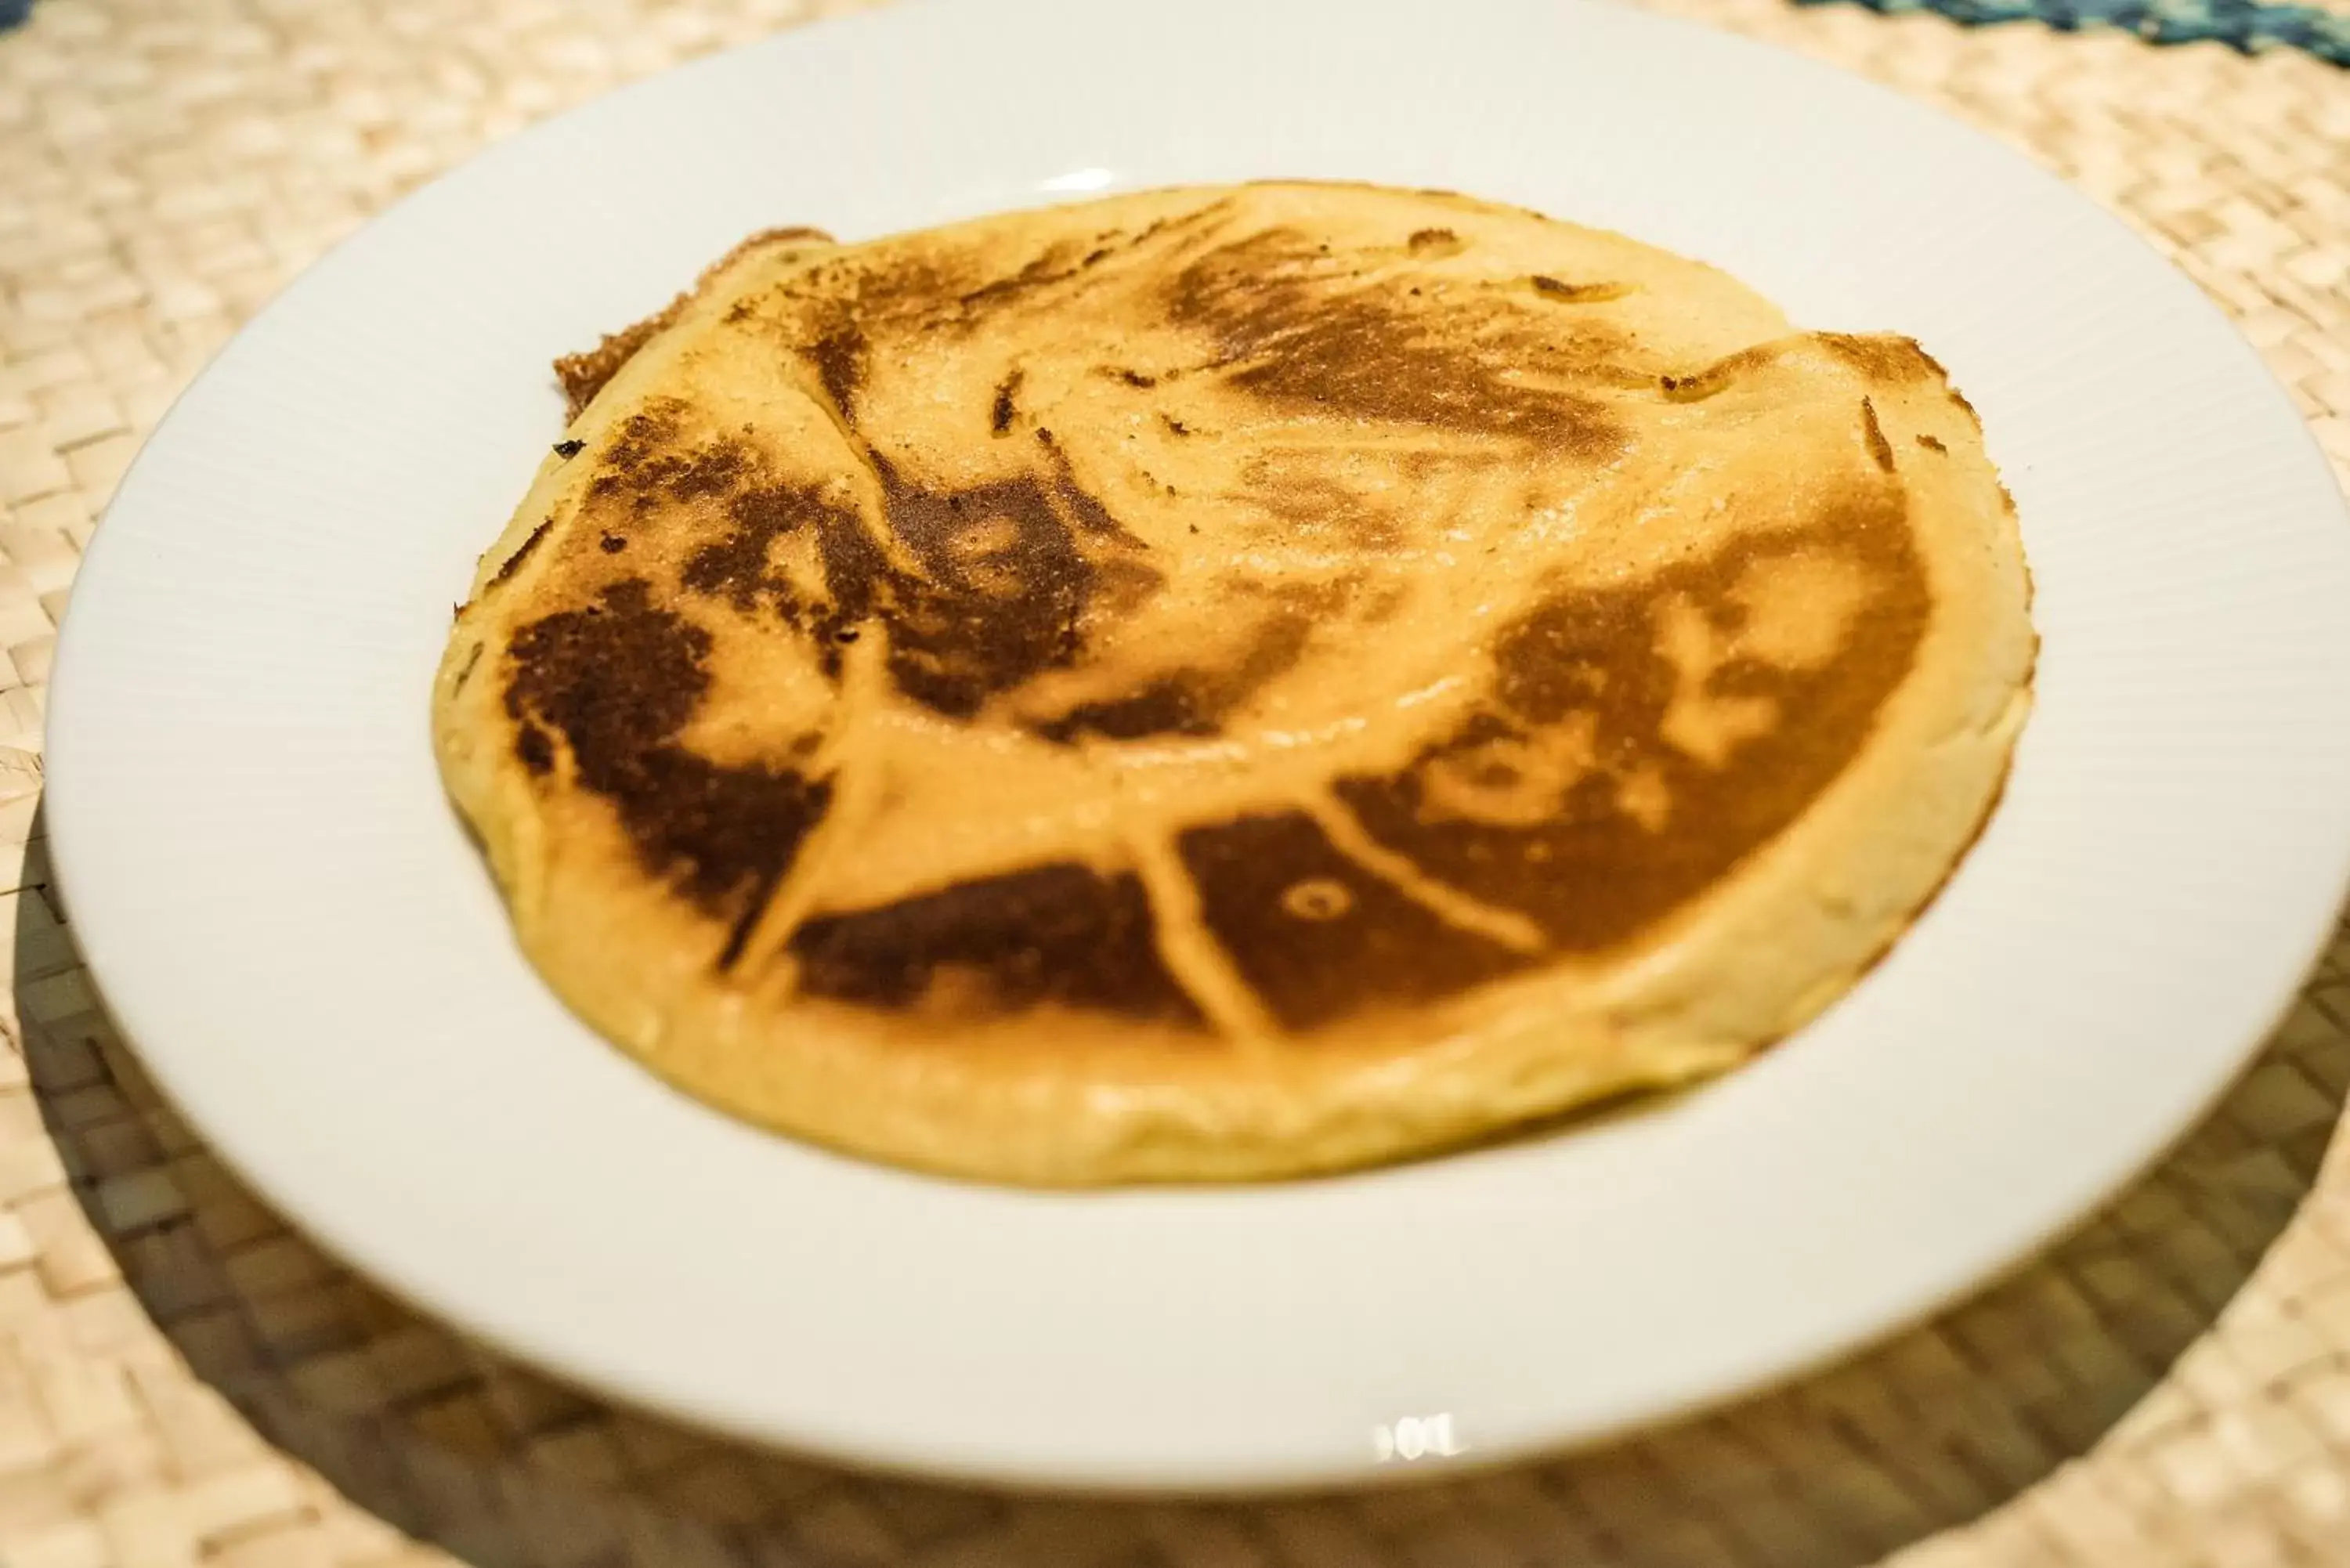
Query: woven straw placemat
[182, 1381]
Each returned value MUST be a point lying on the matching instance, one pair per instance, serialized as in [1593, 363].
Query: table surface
[183, 1381]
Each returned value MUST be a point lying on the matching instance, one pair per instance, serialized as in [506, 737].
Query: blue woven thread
[2245, 26]
[13, 12]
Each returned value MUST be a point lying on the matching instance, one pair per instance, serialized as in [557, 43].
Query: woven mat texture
[182, 1381]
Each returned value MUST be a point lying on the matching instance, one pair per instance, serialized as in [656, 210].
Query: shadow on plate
[460, 1446]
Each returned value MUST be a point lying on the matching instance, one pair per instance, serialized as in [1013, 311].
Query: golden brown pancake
[1225, 683]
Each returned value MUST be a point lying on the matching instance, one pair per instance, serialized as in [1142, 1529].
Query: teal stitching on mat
[2245, 26]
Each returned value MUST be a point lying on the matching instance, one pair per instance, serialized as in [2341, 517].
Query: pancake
[1232, 682]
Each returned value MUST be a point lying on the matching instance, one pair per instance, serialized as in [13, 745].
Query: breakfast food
[1229, 682]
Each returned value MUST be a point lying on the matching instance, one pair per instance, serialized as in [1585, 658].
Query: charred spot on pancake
[617, 681]
[1571, 800]
[1060, 934]
[1932, 443]
[1292, 330]
[1175, 427]
[612, 544]
[1879, 449]
[999, 417]
[1318, 936]
[1131, 378]
[466, 672]
[571, 448]
[513, 562]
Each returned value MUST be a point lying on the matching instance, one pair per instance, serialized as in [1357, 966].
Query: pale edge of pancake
[1715, 991]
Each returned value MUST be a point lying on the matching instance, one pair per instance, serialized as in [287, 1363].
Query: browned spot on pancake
[998, 585]
[1579, 293]
[1054, 266]
[533, 750]
[999, 418]
[1873, 433]
[1295, 328]
[1932, 443]
[1058, 934]
[736, 567]
[611, 544]
[513, 562]
[654, 462]
[1585, 677]
[1194, 700]
[1175, 427]
[1309, 492]
[466, 672]
[1348, 943]
[1718, 375]
[997, 589]
[1882, 358]
[1000, 592]
[646, 431]
[838, 354]
[1434, 244]
[1088, 513]
[619, 679]
[1132, 377]
[1165, 707]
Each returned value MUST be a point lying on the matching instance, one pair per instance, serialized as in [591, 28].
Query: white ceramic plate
[288, 922]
